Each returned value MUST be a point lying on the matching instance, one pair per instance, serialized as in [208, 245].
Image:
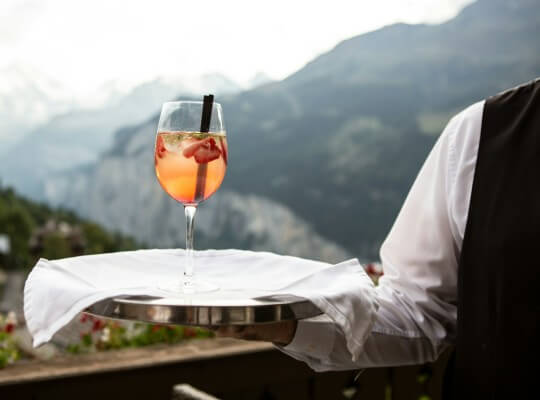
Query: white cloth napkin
[56, 291]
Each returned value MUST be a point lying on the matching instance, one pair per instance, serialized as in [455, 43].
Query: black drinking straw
[208, 101]
[206, 116]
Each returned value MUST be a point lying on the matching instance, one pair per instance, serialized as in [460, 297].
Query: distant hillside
[339, 142]
[78, 137]
[121, 192]
[21, 218]
[27, 99]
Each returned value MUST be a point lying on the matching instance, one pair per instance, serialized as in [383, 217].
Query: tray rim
[125, 308]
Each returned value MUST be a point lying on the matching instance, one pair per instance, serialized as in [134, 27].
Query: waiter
[461, 263]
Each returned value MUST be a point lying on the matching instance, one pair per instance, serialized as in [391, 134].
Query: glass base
[192, 287]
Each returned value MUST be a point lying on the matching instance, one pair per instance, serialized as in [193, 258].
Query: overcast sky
[86, 43]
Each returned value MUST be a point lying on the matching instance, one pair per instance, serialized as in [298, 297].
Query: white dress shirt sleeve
[417, 295]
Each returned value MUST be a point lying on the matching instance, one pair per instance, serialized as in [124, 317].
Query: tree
[55, 246]
[17, 224]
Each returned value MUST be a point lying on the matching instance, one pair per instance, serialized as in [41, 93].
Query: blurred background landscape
[322, 150]
[320, 161]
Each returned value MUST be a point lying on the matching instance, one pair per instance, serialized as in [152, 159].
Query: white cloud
[16, 17]
[85, 44]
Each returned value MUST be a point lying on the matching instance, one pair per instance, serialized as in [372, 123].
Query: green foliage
[388, 392]
[55, 246]
[86, 340]
[19, 218]
[73, 348]
[9, 352]
[111, 335]
[153, 334]
[17, 223]
[351, 129]
[100, 241]
[423, 378]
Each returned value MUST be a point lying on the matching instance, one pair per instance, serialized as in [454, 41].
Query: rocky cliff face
[78, 137]
[340, 141]
[122, 193]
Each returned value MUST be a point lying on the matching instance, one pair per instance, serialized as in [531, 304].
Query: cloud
[87, 43]
[16, 18]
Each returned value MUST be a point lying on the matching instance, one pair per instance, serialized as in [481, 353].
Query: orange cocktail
[190, 166]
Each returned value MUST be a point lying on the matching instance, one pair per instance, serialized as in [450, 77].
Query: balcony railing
[224, 368]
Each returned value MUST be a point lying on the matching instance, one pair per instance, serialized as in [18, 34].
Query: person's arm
[417, 295]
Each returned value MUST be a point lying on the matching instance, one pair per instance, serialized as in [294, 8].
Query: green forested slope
[19, 218]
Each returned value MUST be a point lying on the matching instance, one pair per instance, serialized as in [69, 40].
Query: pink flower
[9, 328]
[97, 325]
[189, 332]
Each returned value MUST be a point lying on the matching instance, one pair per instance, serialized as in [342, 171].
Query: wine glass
[190, 161]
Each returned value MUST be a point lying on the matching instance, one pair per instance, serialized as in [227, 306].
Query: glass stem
[188, 284]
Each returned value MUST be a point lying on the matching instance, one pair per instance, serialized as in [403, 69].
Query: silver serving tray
[206, 311]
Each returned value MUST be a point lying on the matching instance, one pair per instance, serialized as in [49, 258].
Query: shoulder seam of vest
[516, 89]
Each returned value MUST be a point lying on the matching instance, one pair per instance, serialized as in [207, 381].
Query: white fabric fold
[56, 291]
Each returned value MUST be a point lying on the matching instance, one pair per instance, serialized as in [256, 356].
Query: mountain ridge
[340, 141]
[80, 135]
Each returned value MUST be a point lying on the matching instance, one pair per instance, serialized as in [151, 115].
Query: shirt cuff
[314, 337]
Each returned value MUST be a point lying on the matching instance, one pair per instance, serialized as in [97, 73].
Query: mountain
[78, 137]
[122, 193]
[27, 99]
[35, 230]
[259, 79]
[339, 142]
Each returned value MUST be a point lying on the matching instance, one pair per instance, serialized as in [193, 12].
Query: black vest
[498, 329]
